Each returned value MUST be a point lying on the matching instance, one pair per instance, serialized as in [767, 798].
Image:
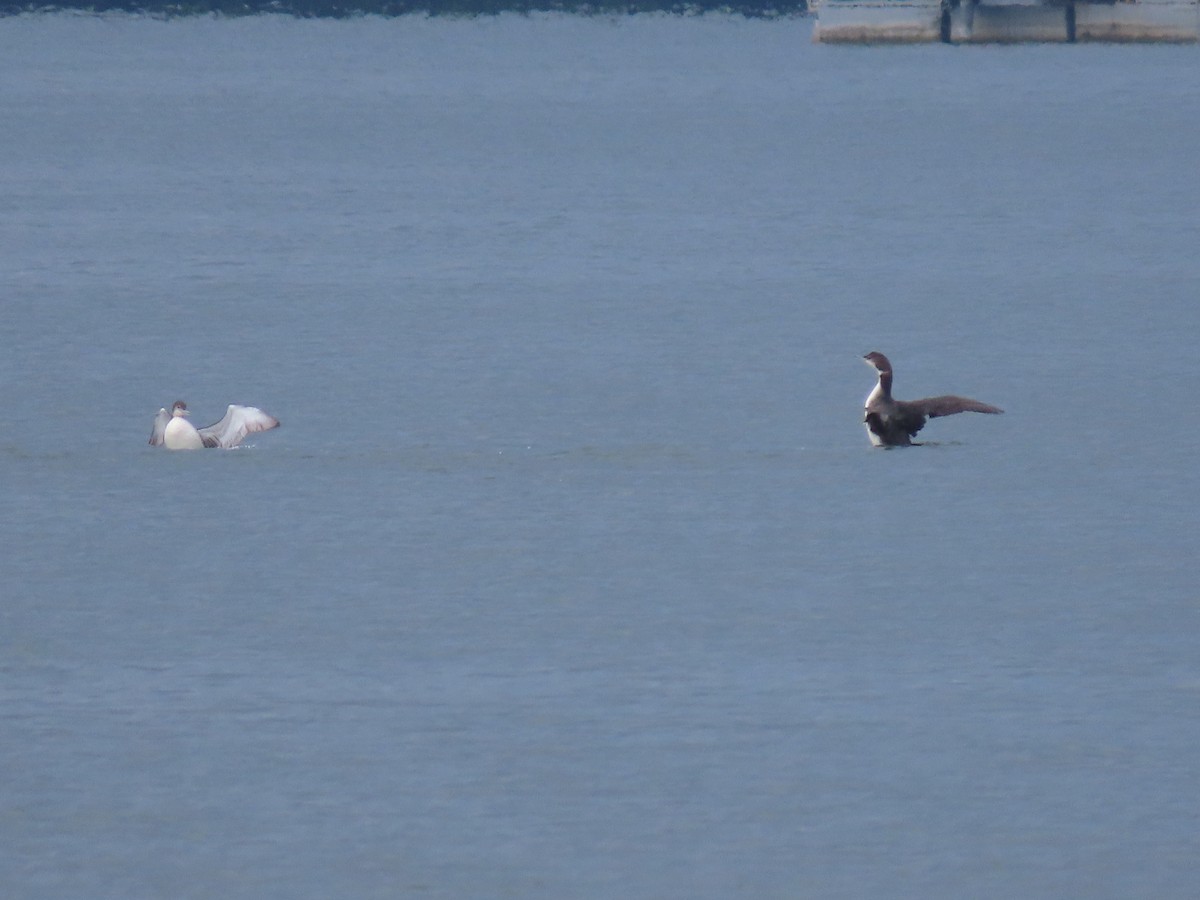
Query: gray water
[571, 572]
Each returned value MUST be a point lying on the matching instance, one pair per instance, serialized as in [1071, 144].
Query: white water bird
[173, 430]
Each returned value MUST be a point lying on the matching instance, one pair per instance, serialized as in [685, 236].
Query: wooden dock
[1004, 21]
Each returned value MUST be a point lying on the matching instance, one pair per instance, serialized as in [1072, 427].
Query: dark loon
[173, 431]
[894, 423]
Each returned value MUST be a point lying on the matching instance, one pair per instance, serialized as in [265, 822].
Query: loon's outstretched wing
[160, 426]
[238, 422]
[948, 405]
[896, 422]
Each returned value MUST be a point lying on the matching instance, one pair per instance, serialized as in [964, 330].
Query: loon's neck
[882, 389]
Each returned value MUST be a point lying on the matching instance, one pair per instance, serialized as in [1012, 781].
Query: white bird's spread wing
[160, 426]
[238, 422]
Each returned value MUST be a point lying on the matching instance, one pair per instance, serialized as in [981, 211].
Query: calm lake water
[571, 572]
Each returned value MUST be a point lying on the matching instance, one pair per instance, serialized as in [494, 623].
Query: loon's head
[179, 408]
[878, 362]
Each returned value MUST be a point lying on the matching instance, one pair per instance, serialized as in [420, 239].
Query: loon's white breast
[876, 393]
[180, 434]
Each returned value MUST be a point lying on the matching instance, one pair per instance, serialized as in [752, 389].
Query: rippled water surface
[571, 572]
